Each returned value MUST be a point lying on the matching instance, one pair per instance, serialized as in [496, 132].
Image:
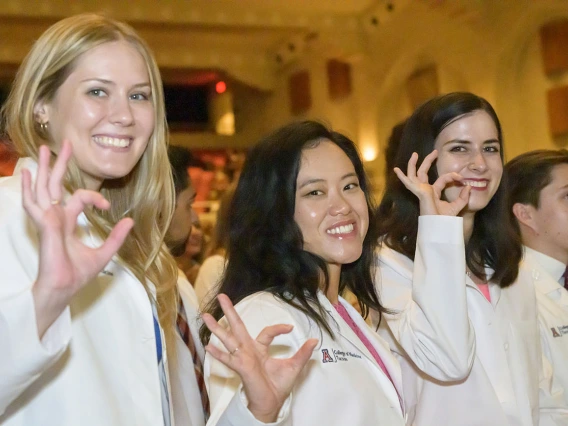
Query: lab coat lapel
[382, 348]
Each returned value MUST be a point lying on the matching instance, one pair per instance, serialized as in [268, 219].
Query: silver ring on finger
[55, 202]
[234, 351]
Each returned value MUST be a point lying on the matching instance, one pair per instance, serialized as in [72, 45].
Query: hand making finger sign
[267, 381]
[65, 263]
[430, 196]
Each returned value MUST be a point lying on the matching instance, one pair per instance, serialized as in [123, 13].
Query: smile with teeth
[476, 183]
[110, 141]
[344, 229]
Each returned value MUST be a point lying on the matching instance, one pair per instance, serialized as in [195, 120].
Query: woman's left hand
[267, 381]
[430, 196]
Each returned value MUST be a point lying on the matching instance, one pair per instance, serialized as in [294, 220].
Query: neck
[332, 292]
[537, 244]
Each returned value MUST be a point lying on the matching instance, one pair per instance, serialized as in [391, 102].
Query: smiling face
[470, 146]
[330, 206]
[104, 108]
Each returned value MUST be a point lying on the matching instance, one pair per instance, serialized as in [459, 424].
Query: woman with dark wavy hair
[302, 230]
[497, 381]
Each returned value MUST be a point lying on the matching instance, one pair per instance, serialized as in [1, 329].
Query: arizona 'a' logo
[554, 332]
[326, 356]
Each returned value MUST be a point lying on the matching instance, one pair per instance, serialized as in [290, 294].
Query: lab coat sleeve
[23, 356]
[228, 400]
[552, 401]
[430, 323]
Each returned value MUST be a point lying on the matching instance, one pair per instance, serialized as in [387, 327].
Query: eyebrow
[466, 142]
[112, 83]
[310, 181]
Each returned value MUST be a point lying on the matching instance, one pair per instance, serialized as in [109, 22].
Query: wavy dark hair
[494, 242]
[265, 244]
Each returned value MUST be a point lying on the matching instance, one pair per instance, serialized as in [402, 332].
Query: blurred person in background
[211, 271]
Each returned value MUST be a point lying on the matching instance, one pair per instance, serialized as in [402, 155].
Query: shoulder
[11, 188]
[264, 309]
[214, 262]
[390, 259]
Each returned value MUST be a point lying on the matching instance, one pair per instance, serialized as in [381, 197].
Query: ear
[41, 112]
[525, 215]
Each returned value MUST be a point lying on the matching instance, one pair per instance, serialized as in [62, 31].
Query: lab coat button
[506, 345]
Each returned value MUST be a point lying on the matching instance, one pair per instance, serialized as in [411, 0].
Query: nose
[121, 111]
[339, 205]
[477, 162]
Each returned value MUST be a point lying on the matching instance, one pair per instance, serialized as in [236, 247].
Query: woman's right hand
[267, 381]
[65, 263]
[430, 196]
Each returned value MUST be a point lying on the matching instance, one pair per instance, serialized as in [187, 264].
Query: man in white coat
[538, 188]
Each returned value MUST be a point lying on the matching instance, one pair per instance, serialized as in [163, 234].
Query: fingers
[219, 355]
[114, 241]
[237, 326]
[224, 335]
[403, 178]
[425, 166]
[459, 203]
[267, 335]
[411, 167]
[28, 199]
[444, 180]
[303, 355]
[81, 199]
[59, 169]
[41, 193]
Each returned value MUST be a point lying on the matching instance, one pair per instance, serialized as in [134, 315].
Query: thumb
[460, 202]
[301, 358]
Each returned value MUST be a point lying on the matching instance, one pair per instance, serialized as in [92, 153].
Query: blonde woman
[88, 289]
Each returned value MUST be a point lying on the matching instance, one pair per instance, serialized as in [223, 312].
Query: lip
[345, 235]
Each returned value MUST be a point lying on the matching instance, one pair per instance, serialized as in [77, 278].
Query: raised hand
[65, 263]
[267, 381]
[430, 196]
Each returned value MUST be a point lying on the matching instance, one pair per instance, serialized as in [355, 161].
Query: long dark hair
[493, 242]
[265, 243]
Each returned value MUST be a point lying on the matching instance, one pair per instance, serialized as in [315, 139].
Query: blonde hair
[146, 194]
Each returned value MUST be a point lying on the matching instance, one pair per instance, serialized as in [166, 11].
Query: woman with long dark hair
[458, 133]
[301, 230]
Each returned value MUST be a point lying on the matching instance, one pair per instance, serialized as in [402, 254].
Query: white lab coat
[502, 387]
[97, 364]
[349, 389]
[209, 277]
[552, 302]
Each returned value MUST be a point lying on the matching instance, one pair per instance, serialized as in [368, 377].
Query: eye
[140, 97]
[458, 148]
[97, 93]
[492, 148]
[353, 185]
[314, 193]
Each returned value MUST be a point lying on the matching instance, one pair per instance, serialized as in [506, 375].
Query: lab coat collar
[380, 345]
[26, 163]
[553, 267]
[544, 282]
